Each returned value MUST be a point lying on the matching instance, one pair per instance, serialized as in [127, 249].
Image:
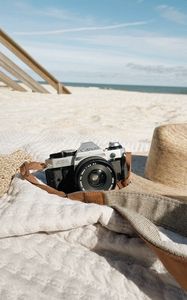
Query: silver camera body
[87, 168]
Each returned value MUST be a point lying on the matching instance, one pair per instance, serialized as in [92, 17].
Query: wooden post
[8, 81]
[31, 62]
[16, 71]
[59, 88]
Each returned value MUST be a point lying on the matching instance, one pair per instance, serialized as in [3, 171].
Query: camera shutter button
[114, 146]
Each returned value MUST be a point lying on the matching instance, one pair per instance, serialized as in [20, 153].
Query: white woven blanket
[54, 248]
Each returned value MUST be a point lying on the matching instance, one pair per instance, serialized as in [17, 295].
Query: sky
[140, 42]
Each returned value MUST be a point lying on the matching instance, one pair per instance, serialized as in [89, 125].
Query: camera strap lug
[126, 181]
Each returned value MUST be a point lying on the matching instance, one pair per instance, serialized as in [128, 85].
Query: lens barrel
[95, 173]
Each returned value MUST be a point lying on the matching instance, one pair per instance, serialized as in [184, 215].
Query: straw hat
[166, 167]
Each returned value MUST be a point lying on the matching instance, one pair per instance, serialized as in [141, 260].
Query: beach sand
[42, 123]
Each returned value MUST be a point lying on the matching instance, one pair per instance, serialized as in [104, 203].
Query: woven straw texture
[9, 165]
[167, 160]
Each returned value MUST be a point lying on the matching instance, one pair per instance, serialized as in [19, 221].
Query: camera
[86, 169]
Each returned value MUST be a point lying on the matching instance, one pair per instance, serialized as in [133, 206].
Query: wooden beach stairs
[22, 76]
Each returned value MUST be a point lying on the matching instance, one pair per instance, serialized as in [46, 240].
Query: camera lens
[95, 174]
[97, 178]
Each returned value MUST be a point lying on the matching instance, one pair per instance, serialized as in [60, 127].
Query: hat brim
[143, 185]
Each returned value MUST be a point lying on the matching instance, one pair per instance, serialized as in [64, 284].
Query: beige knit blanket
[9, 166]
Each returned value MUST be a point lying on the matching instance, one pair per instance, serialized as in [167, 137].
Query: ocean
[132, 88]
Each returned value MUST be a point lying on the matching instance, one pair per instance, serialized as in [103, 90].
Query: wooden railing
[17, 72]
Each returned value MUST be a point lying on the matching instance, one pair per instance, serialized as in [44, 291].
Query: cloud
[172, 14]
[159, 69]
[44, 15]
[58, 14]
[93, 28]
[151, 48]
[98, 60]
[81, 64]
